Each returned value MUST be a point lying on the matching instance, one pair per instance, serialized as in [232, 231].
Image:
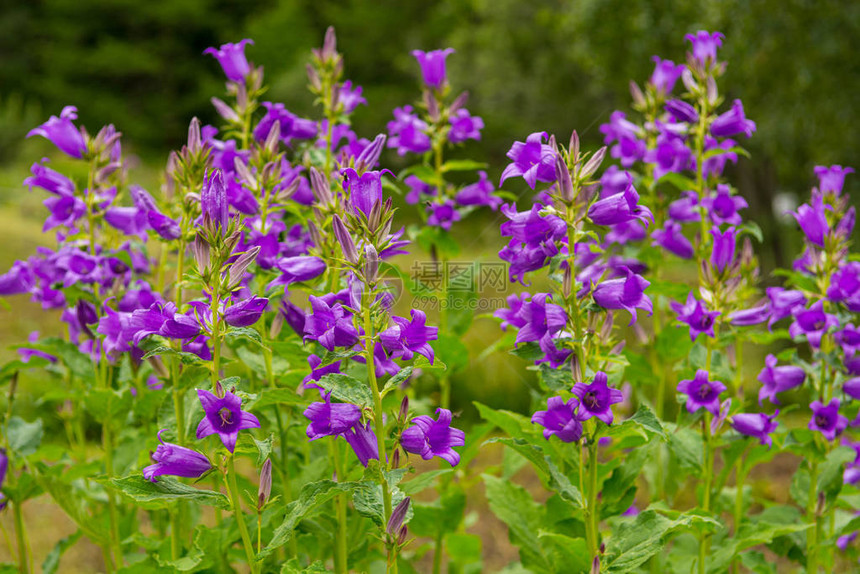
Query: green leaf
[748, 536]
[367, 500]
[24, 438]
[688, 449]
[395, 381]
[561, 484]
[682, 183]
[515, 424]
[248, 333]
[514, 506]
[72, 504]
[423, 481]
[830, 472]
[527, 450]
[634, 542]
[462, 165]
[463, 548]
[79, 363]
[673, 344]
[751, 228]
[347, 389]
[644, 422]
[185, 357]
[451, 350]
[555, 380]
[269, 397]
[52, 560]
[568, 554]
[108, 404]
[528, 352]
[265, 449]
[720, 151]
[167, 491]
[294, 566]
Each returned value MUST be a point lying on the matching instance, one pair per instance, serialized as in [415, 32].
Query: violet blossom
[624, 293]
[597, 398]
[405, 337]
[331, 325]
[224, 416]
[533, 160]
[665, 74]
[430, 438]
[174, 460]
[756, 425]
[464, 126]
[363, 441]
[433, 66]
[826, 419]
[232, 59]
[812, 323]
[696, 316]
[702, 392]
[723, 207]
[704, 45]
[330, 419]
[831, 179]
[560, 419]
[673, 240]
[619, 208]
[61, 132]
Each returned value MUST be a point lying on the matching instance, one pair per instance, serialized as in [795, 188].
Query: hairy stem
[240, 516]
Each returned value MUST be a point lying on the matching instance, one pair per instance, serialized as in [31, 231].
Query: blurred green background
[529, 66]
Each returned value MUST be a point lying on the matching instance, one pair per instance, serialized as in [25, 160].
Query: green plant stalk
[378, 423]
[21, 537]
[340, 505]
[9, 547]
[706, 492]
[740, 476]
[593, 518]
[812, 520]
[240, 516]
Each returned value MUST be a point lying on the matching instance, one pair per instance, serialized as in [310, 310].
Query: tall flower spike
[224, 416]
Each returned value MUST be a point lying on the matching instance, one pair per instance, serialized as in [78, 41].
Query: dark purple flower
[533, 160]
[684, 210]
[417, 189]
[61, 132]
[247, 312]
[330, 419]
[783, 303]
[756, 425]
[117, 329]
[630, 147]
[715, 164]
[65, 210]
[433, 66]
[665, 74]
[732, 122]
[49, 180]
[430, 438]
[694, 314]
[619, 208]
[851, 387]
[813, 221]
[363, 441]
[670, 156]
[232, 59]
[597, 398]
[532, 228]
[614, 180]
[845, 286]
[751, 316]
[624, 233]
[318, 372]
[705, 45]
[826, 419]
[479, 193]
[19, 279]
[681, 111]
[292, 126]
[405, 338]
[541, 320]
[464, 126]
[129, 220]
[723, 248]
[511, 315]
[224, 416]
[407, 132]
[331, 325]
[812, 323]
[443, 214]
[624, 293]
[350, 98]
[672, 240]
[843, 541]
[296, 269]
[560, 419]
[849, 339]
[364, 190]
[164, 226]
[213, 200]
[831, 179]
[723, 207]
[175, 460]
[702, 392]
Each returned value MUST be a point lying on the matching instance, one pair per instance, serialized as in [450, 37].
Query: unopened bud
[201, 252]
[369, 156]
[459, 102]
[313, 78]
[225, 111]
[712, 92]
[575, 368]
[573, 147]
[593, 163]
[689, 81]
[562, 175]
[238, 268]
[265, 488]
[329, 47]
[277, 325]
[636, 94]
[341, 233]
[321, 187]
[244, 173]
[567, 283]
[595, 565]
[195, 142]
[371, 263]
[273, 138]
[401, 537]
[219, 390]
[403, 413]
[432, 105]
[397, 516]
[314, 233]
[395, 459]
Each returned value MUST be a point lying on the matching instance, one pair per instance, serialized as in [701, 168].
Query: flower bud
[313, 78]
[637, 95]
[369, 156]
[573, 147]
[265, 488]
[238, 268]
[562, 175]
[246, 178]
[458, 102]
[225, 111]
[329, 47]
[371, 263]
[593, 163]
[321, 187]
[200, 250]
[395, 522]
[395, 459]
[401, 537]
[432, 106]
[273, 138]
[195, 142]
[343, 237]
[567, 283]
[403, 413]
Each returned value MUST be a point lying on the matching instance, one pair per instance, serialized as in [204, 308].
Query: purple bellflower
[363, 441]
[733, 122]
[232, 59]
[364, 190]
[705, 45]
[597, 398]
[417, 189]
[246, 312]
[812, 323]
[783, 303]
[330, 325]
[695, 314]
[681, 111]
[175, 460]
[813, 221]
[407, 132]
[430, 438]
[756, 425]
[433, 66]
[672, 240]
[511, 315]
[685, 209]
[619, 208]
[826, 419]
[533, 160]
[213, 200]
[224, 416]
[752, 316]
[298, 268]
[723, 207]
[330, 419]
[479, 193]
[831, 179]
[61, 132]
[723, 249]
[405, 338]
[665, 74]
[624, 293]
[560, 419]
[541, 321]
[702, 392]
[464, 126]
[443, 214]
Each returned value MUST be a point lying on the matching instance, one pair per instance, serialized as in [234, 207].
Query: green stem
[706, 492]
[812, 520]
[175, 540]
[340, 506]
[437, 552]
[593, 521]
[240, 516]
[740, 477]
[21, 536]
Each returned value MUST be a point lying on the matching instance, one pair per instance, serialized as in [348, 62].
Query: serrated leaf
[268, 397]
[556, 380]
[167, 491]
[185, 357]
[24, 438]
[107, 404]
[347, 389]
[514, 506]
[634, 542]
[248, 333]
[515, 424]
[398, 379]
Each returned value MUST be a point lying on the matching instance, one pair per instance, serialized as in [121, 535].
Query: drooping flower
[756, 425]
[597, 398]
[50, 180]
[330, 419]
[330, 325]
[732, 122]
[232, 59]
[775, 379]
[619, 208]
[702, 392]
[624, 293]
[672, 240]
[533, 160]
[174, 460]
[783, 303]
[405, 338]
[670, 156]
[681, 111]
[364, 190]
[61, 132]
[246, 312]
[831, 179]
[443, 214]
[845, 286]
[826, 419]
[851, 387]
[812, 220]
[665, 74]
[541, 320]
[479, 193]
[694, 314]
[751, 316]
[511, 315]
[296, 269]
[716, 164]
[560, 419]
[430, 438]
[407, 132]
[224, 416]
[812, 323]
[363, 441]
[705, 45]
[723, 207]
[723, 248]
[464, 126]
[614, 180]
[433, 66]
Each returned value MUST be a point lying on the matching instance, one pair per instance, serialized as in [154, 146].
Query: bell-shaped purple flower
[813, 221]
[433, 66]
[364, 190]
[464, 126]
[681, 111]
[541, 320]
[630, 146]
[246, 312]
[619, 208]
[560, 419]
[19, 279]
[443, 214]
[330, 325]
[61, 132]
[826, 419]
[479, 193]
[430, 438]
[812, 323]
[752, 316]
[330, 419]
[756, 425]
[845, 286]
[175, 460]
[533, 160]
[705, 45]
[318, 372]
[349, 97]
[665, 74]
[851, 387]
[232, 59]
[596, 399]
[406, 338]
[614, 180]
[732, 122]
[723, 207]
[512, 314]
[298, 268]
[694, 314]
[672, 240]
[213, 201]
[783, 303]
[832, 178]
[407, 132]
[224, 416]
[50, 180]
[723, 248]
[163, 225]
[418, 190]
[702, 392]
[363, 441]
[716, 164]
[624, 293]
[685, 209]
